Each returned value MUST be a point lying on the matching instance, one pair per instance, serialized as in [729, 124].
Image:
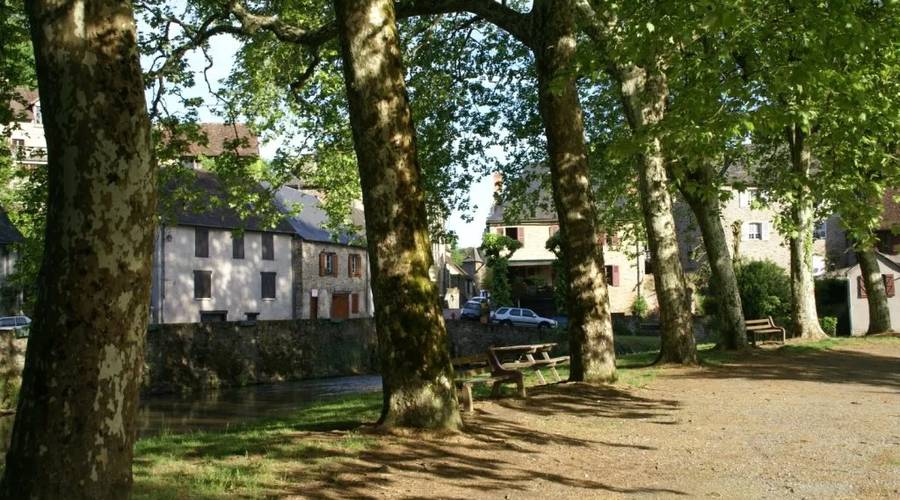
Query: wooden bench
[474, 370]
[764, 326]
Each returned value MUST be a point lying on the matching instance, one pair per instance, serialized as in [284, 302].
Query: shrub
[640, 308]
[765, 289]
[829, 325]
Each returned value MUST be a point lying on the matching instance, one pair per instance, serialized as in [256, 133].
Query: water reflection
[229, 407]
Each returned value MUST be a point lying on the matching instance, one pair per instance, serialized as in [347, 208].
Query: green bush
[829, 325]
[765, 289]
[640, 308]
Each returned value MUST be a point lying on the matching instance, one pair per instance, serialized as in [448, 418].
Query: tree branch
[513, 22]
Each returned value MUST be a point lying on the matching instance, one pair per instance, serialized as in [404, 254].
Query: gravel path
[819, 424]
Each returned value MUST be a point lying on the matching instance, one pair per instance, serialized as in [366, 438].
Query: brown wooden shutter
[322, 264]
[520, 234]
[354, 303]
[336, 266]
[888, 284]
[615, 275]
[861, 287]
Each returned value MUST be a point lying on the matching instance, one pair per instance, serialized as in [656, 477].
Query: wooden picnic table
[529, 356]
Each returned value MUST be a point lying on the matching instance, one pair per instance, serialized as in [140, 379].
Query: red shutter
[354, 303]
[615, 275]
[888, 284]
[520, 234]
[861, 287]
[336, 266]
[321, 264]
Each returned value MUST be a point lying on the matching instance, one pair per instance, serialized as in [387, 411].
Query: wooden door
[313, 308]
[340, 306]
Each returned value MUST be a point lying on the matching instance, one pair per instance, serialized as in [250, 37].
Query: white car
[18, 324]
[521, 317]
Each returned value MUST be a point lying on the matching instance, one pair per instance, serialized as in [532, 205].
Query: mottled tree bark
[805, 319]
[876, 296]
[412, 338]
[643, 96]
[590, 327]
[723, 284]
[74, 427]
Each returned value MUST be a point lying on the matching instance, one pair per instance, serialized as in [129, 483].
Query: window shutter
[335, 259]
[888, 284]
[765, 231]
[499, 230]
[615, 275]
[745, 231]
[861, 287]
[321, 264]
[354, 303]
[350, 266]
[520, 234]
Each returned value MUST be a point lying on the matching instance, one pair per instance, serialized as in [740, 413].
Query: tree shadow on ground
[797, 363]
[497, 453]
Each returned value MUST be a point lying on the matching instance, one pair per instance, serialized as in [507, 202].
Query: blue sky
[223, 50]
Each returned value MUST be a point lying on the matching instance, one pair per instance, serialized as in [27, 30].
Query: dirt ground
[817, 424]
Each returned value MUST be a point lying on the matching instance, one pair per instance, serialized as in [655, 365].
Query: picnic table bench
[765, 326]
[482, 369]
[529, 356]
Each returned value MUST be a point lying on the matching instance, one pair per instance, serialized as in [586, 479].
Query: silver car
[521, 317]
[18, 324]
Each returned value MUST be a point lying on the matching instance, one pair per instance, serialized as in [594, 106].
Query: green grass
[259, 459]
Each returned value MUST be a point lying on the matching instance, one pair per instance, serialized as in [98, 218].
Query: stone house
[331, 275]
[10, 299]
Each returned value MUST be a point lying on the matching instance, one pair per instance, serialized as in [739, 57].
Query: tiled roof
[214, 215]
[891, 216]
[222, 137]
[23, 105]
[8, 232]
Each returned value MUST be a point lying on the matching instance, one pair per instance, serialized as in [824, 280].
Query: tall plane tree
[415, 361]
[74, 427]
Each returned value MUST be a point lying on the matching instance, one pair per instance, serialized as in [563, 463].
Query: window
[202, 284]
[354, 303]
[754, 231]
[328, 264]
[745, 198]
[354, 265]
[528, 313]
[512, 232]
[18, 148]
[820, 230]
[268, 246]
[201, 242]
[888, 280]
[38, 116]
[213, 316]
[515, 312]
[502, 310]
[268, 285]
[612, 275]
[237, 246]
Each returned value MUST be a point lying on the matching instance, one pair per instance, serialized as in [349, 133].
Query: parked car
[521, 317]
[470, 310]
[20, 325]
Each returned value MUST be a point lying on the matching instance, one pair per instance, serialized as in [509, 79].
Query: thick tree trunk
[418, 378]
[74, 427]
[805, 319]
[643, 97]
[876, 295]
[724, 282]
[590, 327]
